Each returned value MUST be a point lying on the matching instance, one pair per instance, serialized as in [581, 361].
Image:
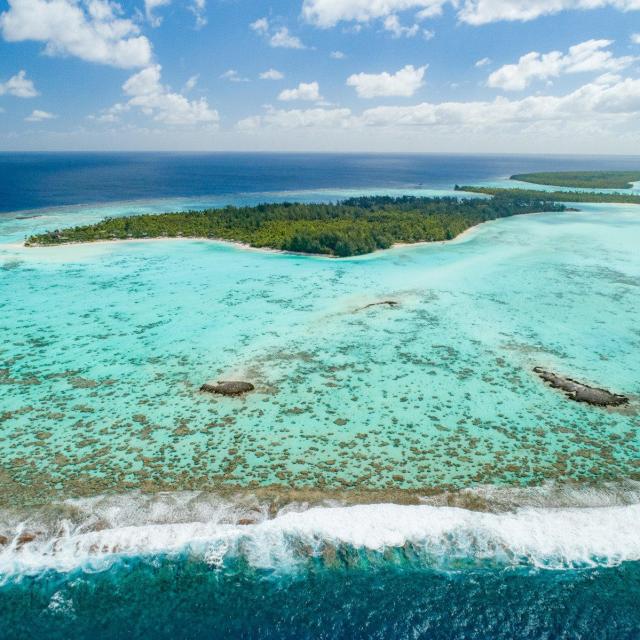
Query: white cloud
[608, 104]
[149, 8]
[112, 114]
[304, 91]
[479, 12]
[337, 55]
[233, 76]
[328, 13]
[261, 25]
[283, 39]
[404, 82]
[155, 100]
[38, 116]
[598, 101]
[483, 62]
[88, 29]
[190, 83]
[392, 24]
[271, 74]
[635, 38]
[298, 118]
[19, 86]
[278, 38]
[584, 57]
[198, 7]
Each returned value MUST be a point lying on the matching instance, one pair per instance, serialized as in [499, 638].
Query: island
[351, 227]
[582, 179]
[554, 196]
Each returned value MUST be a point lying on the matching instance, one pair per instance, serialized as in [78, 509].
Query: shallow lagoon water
[108, 345]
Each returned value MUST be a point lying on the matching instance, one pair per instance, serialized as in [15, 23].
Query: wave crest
[94, 533]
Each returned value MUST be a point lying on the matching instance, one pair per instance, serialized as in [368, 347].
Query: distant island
[554, 196]
[352, 227]
[582, 179]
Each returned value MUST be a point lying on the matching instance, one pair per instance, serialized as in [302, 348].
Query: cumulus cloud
[19, 86]
[635, 38]
[233, 76]
[261, 25]
[479, 12]
[392, 24]
[282, 38]
[198, 7]
[304, 91]
[337, 55]
[150, 6]
[609, 103]
[404, 82]
[38, 116]
[88, 29]
[190, 83]
[298, 118]
[483, 62]
[271, 74]
[146, 93]
[328, 13]
[596, 101]
[584, 57]
[279, 37]
[112, 114]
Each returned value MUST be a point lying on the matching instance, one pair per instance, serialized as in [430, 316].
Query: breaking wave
[599, 529]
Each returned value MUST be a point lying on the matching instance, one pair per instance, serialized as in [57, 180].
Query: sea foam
[92, 534]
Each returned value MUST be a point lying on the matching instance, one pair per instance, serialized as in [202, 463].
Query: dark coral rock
[26, 537]
[580, 392]
[382, 303]
[228, 388]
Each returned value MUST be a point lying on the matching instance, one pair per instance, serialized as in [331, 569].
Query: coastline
[316, 229]
[461, 237]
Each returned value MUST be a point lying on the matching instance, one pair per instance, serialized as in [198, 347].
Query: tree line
[351, 227]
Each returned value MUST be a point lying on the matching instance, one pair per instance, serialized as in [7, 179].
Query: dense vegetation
[352, 227]
[556, 196]
[583, 179]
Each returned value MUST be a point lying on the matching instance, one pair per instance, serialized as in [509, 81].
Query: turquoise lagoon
[105, 347]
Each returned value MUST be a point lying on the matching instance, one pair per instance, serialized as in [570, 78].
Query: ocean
[44, 180]
[400, 472]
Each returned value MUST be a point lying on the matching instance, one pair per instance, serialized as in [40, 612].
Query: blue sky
[337, 75]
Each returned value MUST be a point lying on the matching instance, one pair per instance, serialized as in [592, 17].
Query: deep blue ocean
[527, 570]
[181, 598]
[36, 180]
